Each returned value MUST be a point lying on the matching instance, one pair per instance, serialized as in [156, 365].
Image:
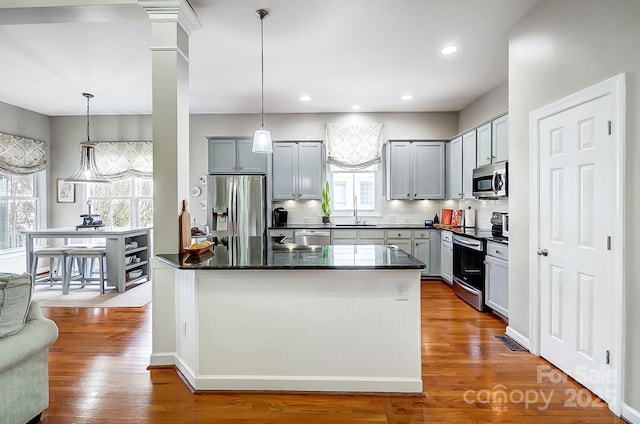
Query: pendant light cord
[88, 96]
[262, 71]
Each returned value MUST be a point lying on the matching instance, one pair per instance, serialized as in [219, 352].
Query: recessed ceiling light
[407, 97]
[305, 98]
[355, 107]
[449, 49]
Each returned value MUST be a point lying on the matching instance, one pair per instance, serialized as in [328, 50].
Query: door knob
[542, 252]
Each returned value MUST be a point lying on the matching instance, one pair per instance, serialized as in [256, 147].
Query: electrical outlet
[402, 290]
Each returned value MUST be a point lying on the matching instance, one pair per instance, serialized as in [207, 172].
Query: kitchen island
[118, 244]
[259, 315]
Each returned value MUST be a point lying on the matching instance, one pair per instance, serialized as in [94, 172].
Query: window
[348, 185]
[18, 208]
[124, 203]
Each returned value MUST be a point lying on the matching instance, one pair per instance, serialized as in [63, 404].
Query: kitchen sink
[356, 225]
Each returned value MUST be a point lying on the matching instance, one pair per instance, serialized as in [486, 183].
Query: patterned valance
[21, 156]
[122, 159]
[354, 145]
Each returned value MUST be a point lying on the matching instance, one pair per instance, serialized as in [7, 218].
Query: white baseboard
[162, 359]
[630, 414]
[522, 340]
[300, 384]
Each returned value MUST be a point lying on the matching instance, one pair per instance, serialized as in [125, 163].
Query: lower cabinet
[446, 256]
[497, 278]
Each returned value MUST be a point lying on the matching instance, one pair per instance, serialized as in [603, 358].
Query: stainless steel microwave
[491, 181]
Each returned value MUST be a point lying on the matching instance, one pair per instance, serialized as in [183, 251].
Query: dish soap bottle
[436, 220]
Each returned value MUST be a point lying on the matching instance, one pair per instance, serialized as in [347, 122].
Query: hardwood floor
[98, 374]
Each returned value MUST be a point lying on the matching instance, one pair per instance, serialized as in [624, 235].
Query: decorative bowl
[199, 250]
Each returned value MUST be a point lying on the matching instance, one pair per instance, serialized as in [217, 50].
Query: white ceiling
[339, 52]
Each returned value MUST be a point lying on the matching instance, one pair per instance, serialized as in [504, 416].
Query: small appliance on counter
[280, 217]
[500, 224]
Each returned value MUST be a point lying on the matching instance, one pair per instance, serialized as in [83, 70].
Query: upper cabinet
[235, 157]
[416, 170]
[493, 141]
[297, 170]
[461, 160]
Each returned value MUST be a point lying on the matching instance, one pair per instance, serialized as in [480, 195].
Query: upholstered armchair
[25, 337]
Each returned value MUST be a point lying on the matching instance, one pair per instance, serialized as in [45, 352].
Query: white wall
[25, 123]
[558, 48]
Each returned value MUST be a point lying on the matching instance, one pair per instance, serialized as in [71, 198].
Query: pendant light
[262, 138]
[87, 172]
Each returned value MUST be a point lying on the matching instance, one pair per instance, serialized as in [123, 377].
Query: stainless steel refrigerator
[237, 205]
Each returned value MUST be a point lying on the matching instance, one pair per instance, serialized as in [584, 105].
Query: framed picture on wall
[66, 191]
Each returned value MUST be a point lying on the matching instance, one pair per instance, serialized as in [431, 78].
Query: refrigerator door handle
[232, 207]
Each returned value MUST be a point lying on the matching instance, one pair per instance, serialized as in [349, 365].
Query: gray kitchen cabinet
[468, 163]
[500, 139]
[454, 168]
[421, 249]
[234, 156]
[493, 141]
[483, 144]
[371, 237]
[416, 170]
[446, 256]
[400, 239]
[297, 170]
[497, 278]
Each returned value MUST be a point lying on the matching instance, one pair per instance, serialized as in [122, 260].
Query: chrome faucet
[355, 209]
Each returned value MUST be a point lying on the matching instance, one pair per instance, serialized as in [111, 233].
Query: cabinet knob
[240, 167]
[497, 251]
[399, 234]
[415, 194]
[488, 157]
[408, 194]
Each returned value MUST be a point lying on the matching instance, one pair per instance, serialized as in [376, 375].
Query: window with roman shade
[354, 145]
[22, 156]
[354, 171]
[128, 201]
[23, 162]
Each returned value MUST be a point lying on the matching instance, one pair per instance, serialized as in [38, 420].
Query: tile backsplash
[397, 211]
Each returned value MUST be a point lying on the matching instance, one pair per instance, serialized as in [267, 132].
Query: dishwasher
[312, 237]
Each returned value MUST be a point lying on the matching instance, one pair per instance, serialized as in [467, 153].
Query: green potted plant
[326, 204]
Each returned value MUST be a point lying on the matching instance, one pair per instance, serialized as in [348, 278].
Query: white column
[172, 21]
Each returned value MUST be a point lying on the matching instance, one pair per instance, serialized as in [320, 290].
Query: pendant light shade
[262, 138]
[88, 171]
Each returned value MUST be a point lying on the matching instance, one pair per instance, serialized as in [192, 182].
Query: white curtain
[21, 156]
[122, 159]
[354, 145]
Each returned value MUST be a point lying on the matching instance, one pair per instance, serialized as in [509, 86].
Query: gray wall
[303, 126]
[67, 132]
[558, 48]
[490, 105]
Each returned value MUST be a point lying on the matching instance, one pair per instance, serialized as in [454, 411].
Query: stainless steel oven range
[468, 270]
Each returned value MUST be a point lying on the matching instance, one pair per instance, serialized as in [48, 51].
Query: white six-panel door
[576, 197]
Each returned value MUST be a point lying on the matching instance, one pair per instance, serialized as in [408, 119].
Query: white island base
[299, 330]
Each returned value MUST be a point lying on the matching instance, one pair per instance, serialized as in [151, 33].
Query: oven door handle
[466, 243]
[467, 288]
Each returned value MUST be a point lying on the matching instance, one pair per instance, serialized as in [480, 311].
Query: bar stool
[86, 272]
[52, 253]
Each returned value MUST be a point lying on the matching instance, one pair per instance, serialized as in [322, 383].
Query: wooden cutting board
[184, 228]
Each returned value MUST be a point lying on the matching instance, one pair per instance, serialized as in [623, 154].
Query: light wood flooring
[98, 374]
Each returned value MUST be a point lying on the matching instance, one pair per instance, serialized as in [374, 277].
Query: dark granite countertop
[477, 233]
[267, 253]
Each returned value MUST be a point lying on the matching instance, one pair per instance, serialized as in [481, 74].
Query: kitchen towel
[470, 218]
[446, 216]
